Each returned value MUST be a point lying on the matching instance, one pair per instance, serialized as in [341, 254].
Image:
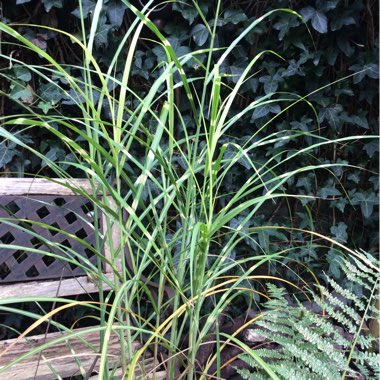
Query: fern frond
[335, 345]
[323, 345]
[346, 293]
[326, 327]
[292, 371]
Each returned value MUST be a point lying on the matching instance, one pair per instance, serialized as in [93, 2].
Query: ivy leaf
[138, 59]
[331, 55]
[303, 125]
[87, 7]
[6, 154]
[372, 70]
[339, 231]
[22, 73]
[189, 13]
[101, 35]
[51, 93]
[265, 235]
[307, 13]
[270, 83]
[253, 84]
[329, 191]
[367, 201]
[25, 94]
[74, 97]
[159, 51]
[338, 22]
[67, 160]
[264, 110]
[340, 204]
[115, 12]
[238, 68]
[344, 91]
[335, 263]
[282, 26]
[293, 69]
[22, 1]
[374, 181]
[325, 6]
[234, 16]
[270, 86]
[331, 115]
[371, 148]
[360, 120]
[319, 22]
[177, 47]
[40, 40]
[345, 46]
[318, 19]
[200, 34]
[52, 3]
[354, 177]
[359, 73]
[45, 107]
[298, 43]
[232, 152]
[54, 154]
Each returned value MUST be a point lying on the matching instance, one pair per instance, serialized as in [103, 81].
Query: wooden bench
[59, 206]
[28, 274]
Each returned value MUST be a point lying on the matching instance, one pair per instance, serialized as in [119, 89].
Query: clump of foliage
[331, 339]
[343, 40]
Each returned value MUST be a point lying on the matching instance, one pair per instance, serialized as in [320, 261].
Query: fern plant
[332, 342]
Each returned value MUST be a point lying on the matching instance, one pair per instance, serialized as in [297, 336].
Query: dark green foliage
[326, 339]
[338, 39]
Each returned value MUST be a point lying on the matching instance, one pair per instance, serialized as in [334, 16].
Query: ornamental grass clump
[181, 275]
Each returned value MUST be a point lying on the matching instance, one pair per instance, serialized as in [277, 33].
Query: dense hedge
[339, 39]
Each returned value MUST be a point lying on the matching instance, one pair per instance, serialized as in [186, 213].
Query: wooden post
[112, 238]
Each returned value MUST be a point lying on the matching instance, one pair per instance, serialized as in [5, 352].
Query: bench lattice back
[69, 213]
[42, 208]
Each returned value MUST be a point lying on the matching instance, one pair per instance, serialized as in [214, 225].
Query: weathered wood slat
[61, 356]
[29, 186]
[67, 287]
[114, 236]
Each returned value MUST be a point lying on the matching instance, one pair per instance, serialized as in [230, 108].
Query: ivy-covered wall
[341, 38]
